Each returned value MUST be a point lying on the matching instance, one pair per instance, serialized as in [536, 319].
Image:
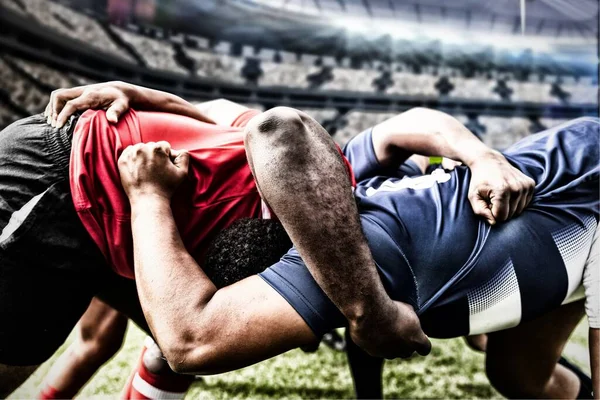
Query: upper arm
[223, 112]
[366, 159]
[243, 324]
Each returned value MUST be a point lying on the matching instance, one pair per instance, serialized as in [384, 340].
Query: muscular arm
[426, 132]
[154, 100]
[497, 190]
[116, 98]
[201, 329]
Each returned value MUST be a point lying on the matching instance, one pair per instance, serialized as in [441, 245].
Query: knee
[281, 125]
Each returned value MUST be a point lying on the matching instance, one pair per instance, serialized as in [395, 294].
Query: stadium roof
[554, 18]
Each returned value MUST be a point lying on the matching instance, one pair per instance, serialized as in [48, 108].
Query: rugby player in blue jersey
[518, 279]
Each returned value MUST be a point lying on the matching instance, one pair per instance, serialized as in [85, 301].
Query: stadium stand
[80, 80]
[359, 80]
[7, 116]
[581, 93]
[24, 81]
[13, 6]
[322, 115]
[412, 84]
[158, 54]
[45, 75]
[358, 121]
[72, 24]
[551, 122]
[20, 91]
[473, 88]
[216, 66]
[535, 92]
[500, 132]
[292, 74]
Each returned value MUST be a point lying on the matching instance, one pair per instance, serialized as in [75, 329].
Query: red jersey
[220, 188]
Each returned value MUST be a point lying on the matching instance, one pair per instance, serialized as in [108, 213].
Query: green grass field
[451, 371]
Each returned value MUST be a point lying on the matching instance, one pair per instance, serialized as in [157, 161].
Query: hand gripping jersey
[461, 275]
[219, 190]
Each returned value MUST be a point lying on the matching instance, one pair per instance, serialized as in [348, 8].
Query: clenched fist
[152, 169]
[498, 191]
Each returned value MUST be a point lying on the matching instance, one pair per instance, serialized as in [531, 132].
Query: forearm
[173, 289]
[426, 132]
[154, 100]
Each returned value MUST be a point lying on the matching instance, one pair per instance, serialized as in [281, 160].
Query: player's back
[219, 190]
[464, 276]
[461, 275]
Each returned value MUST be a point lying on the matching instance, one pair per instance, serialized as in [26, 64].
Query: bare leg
[522, 362]
[366, 371]
[301, 175]
[100, 335]
[477, 342]
[12, 377]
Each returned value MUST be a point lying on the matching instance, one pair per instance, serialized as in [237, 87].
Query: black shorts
[49, 266]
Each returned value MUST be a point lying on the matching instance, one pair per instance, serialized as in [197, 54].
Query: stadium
[506, 69]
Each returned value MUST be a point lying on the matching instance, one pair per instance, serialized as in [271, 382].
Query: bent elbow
[191, 358]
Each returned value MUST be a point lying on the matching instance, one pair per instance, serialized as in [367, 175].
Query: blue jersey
[460, 274]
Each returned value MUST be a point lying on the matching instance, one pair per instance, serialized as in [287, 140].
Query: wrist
[143, 202]
[480, 153]
[132, 92]
[360, 313]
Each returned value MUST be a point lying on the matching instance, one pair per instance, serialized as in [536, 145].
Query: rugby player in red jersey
[480, 209]
[163, 149]
[65, 217]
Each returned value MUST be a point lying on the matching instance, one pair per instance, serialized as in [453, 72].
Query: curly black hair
[247, 247]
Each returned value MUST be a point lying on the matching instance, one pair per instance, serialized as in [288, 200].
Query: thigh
[520, 361]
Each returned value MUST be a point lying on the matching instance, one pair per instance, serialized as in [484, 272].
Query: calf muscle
[302, 177]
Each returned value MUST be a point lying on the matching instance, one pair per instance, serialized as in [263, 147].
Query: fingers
[500, 206]
[58, 99]
[117, 108]
[181, 159]
[163, 147]
[509, 202]
[481, 208]
[70, 107]
[522, 202]
[423, 344]
[418, 339]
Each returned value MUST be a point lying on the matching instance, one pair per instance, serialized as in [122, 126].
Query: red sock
[143, 384]
[50, 393]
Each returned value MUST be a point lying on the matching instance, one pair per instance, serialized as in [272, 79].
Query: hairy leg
[100, 334]
[303, 178]
[366, 371]
[522, 362]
